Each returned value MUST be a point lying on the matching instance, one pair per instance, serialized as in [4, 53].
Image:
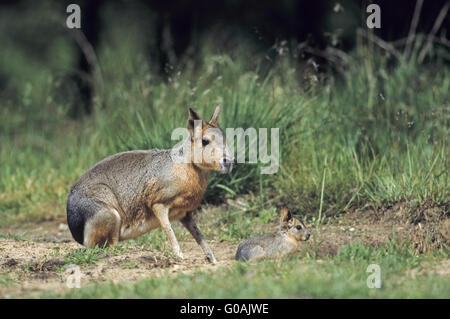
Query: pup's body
[131, 193]
[284, 242]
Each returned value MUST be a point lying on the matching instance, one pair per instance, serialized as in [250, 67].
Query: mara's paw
[211, 258]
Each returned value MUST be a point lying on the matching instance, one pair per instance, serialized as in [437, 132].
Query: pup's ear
[193, 116]
[285, 217]
[215, 117]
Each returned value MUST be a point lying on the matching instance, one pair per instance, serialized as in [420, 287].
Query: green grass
[343, 276]
[85, 256]
[381, 133]
[6, 279]
[235, 225]
[20, 237]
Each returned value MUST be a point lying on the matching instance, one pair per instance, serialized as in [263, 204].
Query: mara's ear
[285, 216]
[193, 116]
[215, 117]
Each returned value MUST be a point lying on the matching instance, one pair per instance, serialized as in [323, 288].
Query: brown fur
[131, 193]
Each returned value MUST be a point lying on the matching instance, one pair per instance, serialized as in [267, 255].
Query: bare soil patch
[34, 268]
[427, 225]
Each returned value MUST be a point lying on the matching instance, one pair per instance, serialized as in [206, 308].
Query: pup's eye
[298, 227]
[205, 141]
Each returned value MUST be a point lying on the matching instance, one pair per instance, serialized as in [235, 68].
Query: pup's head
[209, 148]
[292, 226]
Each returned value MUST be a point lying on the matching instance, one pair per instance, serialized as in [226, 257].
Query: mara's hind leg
[102, 228]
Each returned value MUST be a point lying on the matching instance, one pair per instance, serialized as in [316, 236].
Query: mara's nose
[308, 234]
[226, 165]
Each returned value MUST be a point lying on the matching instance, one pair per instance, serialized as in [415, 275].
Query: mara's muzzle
[307, 235]
[226, 165]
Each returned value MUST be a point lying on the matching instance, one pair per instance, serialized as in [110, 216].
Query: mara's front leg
[189, 222]
[162, 214]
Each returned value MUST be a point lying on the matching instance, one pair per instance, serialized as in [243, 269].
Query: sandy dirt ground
[36, 264]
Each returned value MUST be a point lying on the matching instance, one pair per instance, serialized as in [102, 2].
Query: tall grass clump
[375, 134]
[383, 131]
[250, 98]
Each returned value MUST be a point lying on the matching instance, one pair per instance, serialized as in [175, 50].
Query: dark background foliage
[174, 31]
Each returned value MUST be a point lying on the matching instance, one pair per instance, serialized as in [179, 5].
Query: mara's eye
[298, 227]
[205, 141]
